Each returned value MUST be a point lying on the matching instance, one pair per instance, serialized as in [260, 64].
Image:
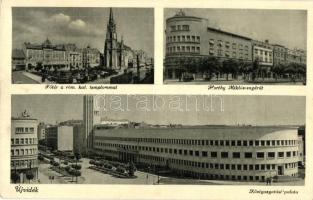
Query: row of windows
[175, 49]
[228, 55]
[26, 130]
[223, 166]
[183, 38]
[22, 152]
[22, 141]
[180, 28]
[219, 166]
[227, 44]
[262, 52]
[212, 154]
[264, 59]
[233, 143]
[23, 163]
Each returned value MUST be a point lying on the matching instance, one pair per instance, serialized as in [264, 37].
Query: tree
[255, 68]
[15, 177]
[131, 169]
[29, 176]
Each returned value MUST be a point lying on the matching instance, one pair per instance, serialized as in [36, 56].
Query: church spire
[111, 16]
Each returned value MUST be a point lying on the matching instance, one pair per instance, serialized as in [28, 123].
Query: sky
[285, 27]
[83, 26]
[170, 109]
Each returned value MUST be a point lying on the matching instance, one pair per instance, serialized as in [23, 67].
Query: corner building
[24, 146]
[227, 153]
[189, 36]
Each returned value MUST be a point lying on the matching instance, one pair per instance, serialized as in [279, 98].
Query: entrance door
[280, 170]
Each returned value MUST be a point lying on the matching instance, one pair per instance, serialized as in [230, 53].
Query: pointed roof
[111, 16]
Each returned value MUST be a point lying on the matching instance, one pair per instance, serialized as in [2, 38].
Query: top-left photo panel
[82, 45]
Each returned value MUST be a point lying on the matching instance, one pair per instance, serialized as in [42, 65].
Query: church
[114, 51]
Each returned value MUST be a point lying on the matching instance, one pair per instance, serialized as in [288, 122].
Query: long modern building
[208, 152]
[24, 146]
[193, 37]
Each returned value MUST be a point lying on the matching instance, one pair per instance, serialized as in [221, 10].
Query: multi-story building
[280, 53]
[263, 52]
[60, 138]
[230, 153]
[74, 57]
[91, 116]
[24, 146]
[45, 55]
[41, 131]
[18, 59]
[90, 57]
[189, 36]
[192, 37]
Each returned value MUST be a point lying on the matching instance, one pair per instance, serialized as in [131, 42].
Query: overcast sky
[83, 26]
[253, 110]
[285, 27]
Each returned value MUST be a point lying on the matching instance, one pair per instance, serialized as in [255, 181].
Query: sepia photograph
[235, 46]
[158, 139]
[64, 45]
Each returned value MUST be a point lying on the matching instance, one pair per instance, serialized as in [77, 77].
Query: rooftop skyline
[83, 26]
[236, 110]
[284, 27]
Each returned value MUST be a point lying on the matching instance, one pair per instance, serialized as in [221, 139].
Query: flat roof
[219, 132]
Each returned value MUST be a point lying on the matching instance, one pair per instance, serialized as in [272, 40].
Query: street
[90, 176]
[19, 78]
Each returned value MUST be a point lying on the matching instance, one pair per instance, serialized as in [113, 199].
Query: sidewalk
[35, 77]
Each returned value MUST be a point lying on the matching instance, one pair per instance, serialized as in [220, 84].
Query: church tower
[111, 44]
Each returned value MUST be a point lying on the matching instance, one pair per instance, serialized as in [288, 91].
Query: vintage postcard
[156, 99]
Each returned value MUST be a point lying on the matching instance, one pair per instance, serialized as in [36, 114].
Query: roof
[18, 54]
[227, 33]
[216, 132]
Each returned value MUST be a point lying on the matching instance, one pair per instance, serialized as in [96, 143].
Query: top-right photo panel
[235, 46]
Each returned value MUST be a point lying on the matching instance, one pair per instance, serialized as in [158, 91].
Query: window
[260, 154]
[213, 154]
[196, 153]
[236, 154]
[186, 27]
[224, 154]
[12, 141]
[248, 154]
[190, 152]
[288, 154]
[204, 154]
[271, 154]
[280, 154]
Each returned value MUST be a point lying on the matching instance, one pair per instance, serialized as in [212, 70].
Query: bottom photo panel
[158, 139]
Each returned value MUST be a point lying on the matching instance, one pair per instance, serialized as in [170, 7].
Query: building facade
[263, 52]
[60, 138]
[41, 131]
[91, 116]
[24, 147]
[44, 55]
[189, 36]
[18, 59]
[279, 54]
[90, 57]
[74, 57]
[229, 153]
[113, 50]
[192, 37]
